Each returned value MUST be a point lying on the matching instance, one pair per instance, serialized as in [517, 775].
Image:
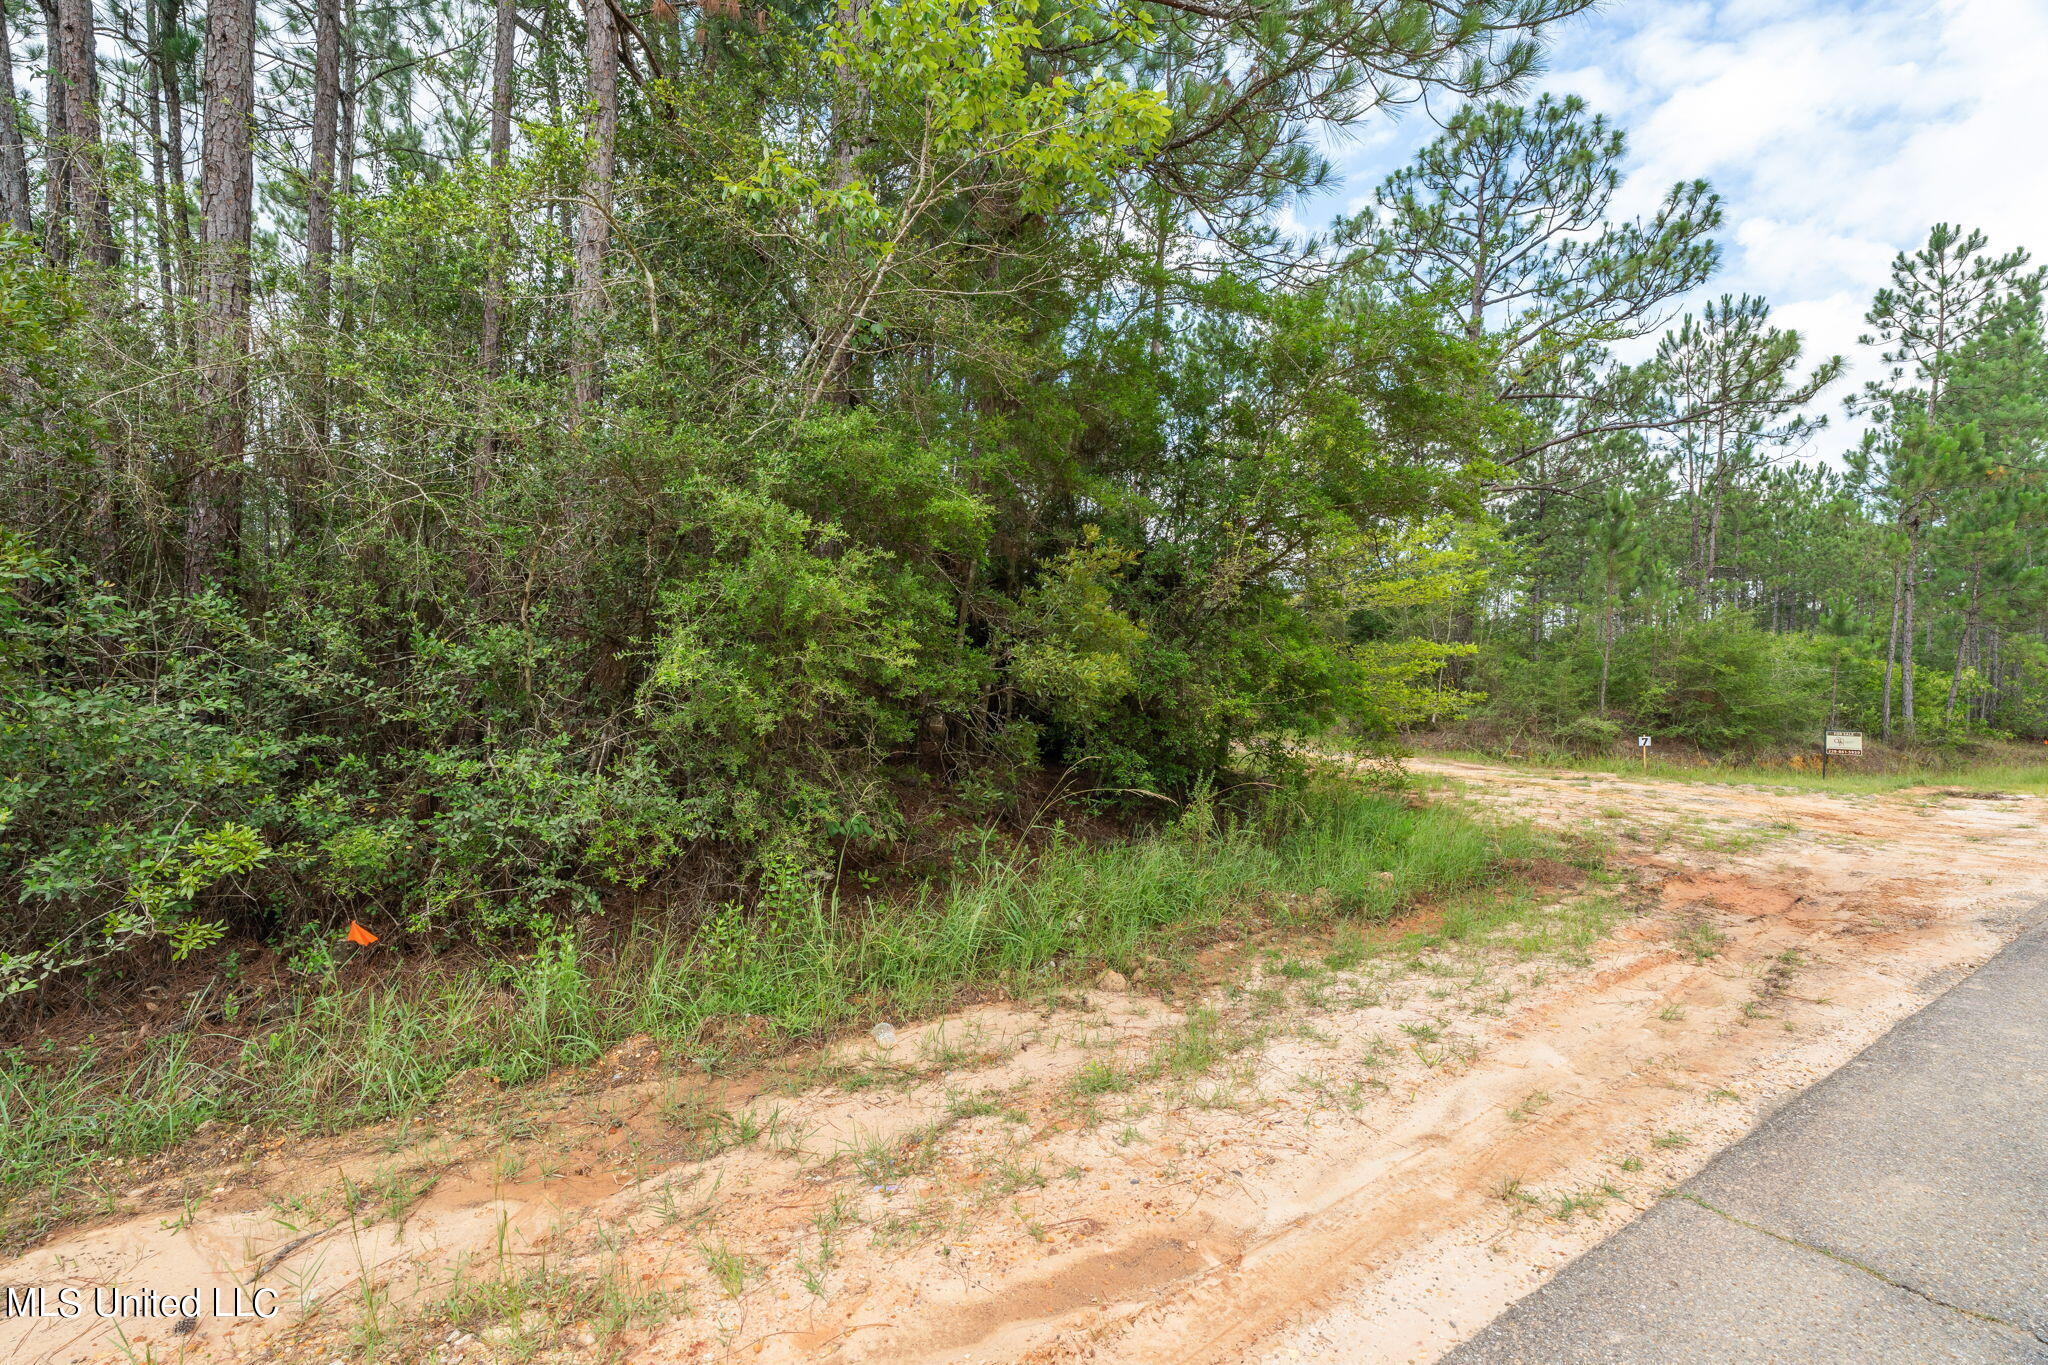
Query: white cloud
[1837, 134]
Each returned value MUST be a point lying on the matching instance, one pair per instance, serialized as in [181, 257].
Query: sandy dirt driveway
[1358, 1149]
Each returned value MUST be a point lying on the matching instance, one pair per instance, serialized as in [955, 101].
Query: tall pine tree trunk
[1539, 545]
[1694, 496]
[1717, 494]
[345, 166]
[81, 160]
[56, 208]
[491, 341]
[1891, 647]
[14, 193]
[1955, 679]
[159, 173]
[213, 512]
[1606, 645]
[483, 458]
[170, 17]
[1711, 565]
[320, 187]
[1994, 695]
[1906, 633]
[318, 309]
[594, 222]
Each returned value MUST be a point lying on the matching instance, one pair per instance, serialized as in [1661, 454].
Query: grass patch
[528, 1310]
[1701, 941]
[335, 1058]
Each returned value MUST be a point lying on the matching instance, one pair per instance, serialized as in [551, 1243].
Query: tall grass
[343, 1057]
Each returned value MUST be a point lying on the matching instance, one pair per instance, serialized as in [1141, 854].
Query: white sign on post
[1642, 741]
[1844, 742]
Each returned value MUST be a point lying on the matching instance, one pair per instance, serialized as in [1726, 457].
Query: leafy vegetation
[701, 459]
[323, 1055]
[475, 493]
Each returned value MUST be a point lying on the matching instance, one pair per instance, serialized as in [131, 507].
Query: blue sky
[1837, 134]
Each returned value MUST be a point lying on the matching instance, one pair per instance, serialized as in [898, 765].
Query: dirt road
[1362, 1152]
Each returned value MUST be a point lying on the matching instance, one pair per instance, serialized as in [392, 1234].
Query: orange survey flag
[358, 934]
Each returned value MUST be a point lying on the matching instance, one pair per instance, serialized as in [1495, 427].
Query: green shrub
[158, 777]
[1719, 682]
[1724, 683]
[1590, 734]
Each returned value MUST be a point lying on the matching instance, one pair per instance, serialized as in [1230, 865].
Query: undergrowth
[340, 1057]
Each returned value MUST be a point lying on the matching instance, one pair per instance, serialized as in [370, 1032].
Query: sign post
[1643, 747]
[1838, 742]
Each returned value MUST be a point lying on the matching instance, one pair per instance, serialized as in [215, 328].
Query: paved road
[1895, 1214]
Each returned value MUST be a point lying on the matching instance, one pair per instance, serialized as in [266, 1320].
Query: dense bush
[160, 761]
[1718, 682]
[653, 651]
[1722, 683]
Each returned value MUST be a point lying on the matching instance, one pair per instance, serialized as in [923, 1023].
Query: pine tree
[1940, 299]
[1731, 378]
[1504, 220]
[594, 216]
[213, 519]
[1617, 551]
[15, 205]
